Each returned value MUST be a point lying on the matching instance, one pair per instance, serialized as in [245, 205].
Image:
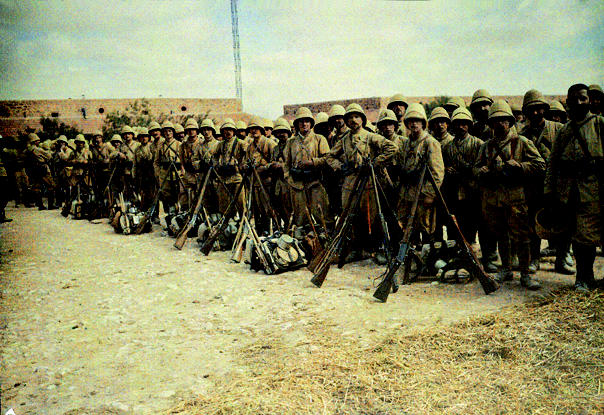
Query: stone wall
[89, 114]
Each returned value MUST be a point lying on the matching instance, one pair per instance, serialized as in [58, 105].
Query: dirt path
[95, 322]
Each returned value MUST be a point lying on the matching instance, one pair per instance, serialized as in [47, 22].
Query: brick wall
[16, 115]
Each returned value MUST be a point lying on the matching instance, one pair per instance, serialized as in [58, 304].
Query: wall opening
[183, 108]
[101, 110]
[54, 114]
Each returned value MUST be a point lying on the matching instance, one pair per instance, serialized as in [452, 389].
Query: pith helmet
[462, 114]
[369, 126]
[97, 133]
[481, 95]
[32, 138]
[167, 124]
[62, 138]
[143, 131]
[453, 103]
[71, 143]
[556, 106]
[228, 123]
[178, 128]
[268, 124]
[387, 116]
[595, 88]
[126, 129]
[302, 113]
[415, 111]
[80, 137]
[191, 124]
[116, 137]
[46, 144]
[154, 125]
[355, 108]
[241, 125]
[336, 111]
[255, 122]
[208, 123]
[515, 108]
[322, 118]
[397, 99]
[534, 98]
[440, 112]
[501, 109]
[282, 125]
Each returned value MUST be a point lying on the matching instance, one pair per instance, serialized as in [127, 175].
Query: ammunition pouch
[305, 175]
[226, 170]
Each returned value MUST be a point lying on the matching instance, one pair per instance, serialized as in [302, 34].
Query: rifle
[217, 229]
[267, 200]
[471, 261]
[380, 213]
[151, 211]
[125, 223]
[389, 281]
[181, 239]
[321, 270]
[268, 266]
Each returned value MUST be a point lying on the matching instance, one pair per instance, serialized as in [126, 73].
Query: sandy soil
[94, 322]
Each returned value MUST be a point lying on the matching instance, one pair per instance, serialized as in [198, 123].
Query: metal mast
[236, 55]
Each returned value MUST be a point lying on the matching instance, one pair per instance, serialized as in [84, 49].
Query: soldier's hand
[451, 170]
[484, 170]
[513, 163]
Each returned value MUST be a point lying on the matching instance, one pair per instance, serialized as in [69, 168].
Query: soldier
[387, 124]
[348, 156]
[556, 112]
[168, 168]
[420, 148]
[304, 159]
[333, 179]
[459, 156]
[336, 124]
[438, 125]
[127, 134]
[268, 129]
[124, 152]
[258, 154]
[39, 171]
[179, 132]
[541, 132]
[156, 137]
[4, 183]
[595, 99]
[23, 194]
[241, 130]
[452, 104]
[574, 183]
[322, 125]
[519, 115]
[144, 175]
[62, 170]
[187, 149]
[504, 164]
[227, 156]
[280, 192]
[398, 104]
[80, 159]
[481, 102]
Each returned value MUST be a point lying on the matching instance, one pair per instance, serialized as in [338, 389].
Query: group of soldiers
[511, 175]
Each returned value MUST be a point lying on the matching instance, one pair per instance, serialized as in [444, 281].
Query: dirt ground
[93, 322]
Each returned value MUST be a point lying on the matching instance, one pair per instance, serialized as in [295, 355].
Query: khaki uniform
[280, 192]
[409, 156]
[306, 189]
[168, 153]
[575, 181]
[482, 131]
[123, 157]
[504, 205]
[144, 175]
[347, 155]
[21, 178]
[190, 177]
[460, 187]
[226, 158]
[80, 161]
[259, 153]
[38, 170]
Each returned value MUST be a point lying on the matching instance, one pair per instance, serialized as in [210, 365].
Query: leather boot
[527, 282]
[504, 275]
[585, 256]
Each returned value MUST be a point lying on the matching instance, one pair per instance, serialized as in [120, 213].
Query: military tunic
[306, 189]
[280, 192]
[258, 153]
[144, 175]
[227, 157]
[190, 177]
[168, 170]
[80, 159]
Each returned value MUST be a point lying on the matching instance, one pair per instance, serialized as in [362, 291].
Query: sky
[297, 51]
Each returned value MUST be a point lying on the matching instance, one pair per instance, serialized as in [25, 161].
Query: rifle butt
[489, 285]
[315, 261]
[319, 277]
[383, 290]
[181, 240]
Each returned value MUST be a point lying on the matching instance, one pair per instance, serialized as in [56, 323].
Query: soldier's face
[241, 134]
[595, 100]
[481, 110]
[192, 134]
[304, 126]
[268, 131]
[354, 121]
[535, 114]
[337, 122]
[556, 116]
[144, 139]
[415, 126]
[127, 136]
[97, 140]
[227, 133]
[168, 133]
[578, 103]
[156, 134]
[399, 110]
[207, 133]
[79, 145]
[180, 136]
[518, 115]
[460, 128]
[255, 132]
[440, 126]
[281, 135]
[501, 127]
[387, 128]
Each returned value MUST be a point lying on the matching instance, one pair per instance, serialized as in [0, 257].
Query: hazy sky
[297, 51]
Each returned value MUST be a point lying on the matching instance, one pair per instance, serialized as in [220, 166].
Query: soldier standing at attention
[241, 130]
[167, 168]
[80, 159]
[398, 104]
[227, 156]
[387, 125]
[39, 170]
[280, 193]
[452, 104]
[556, 112]
[420, 148]
[179, 132]
[333, 179]
[504, 165]
[438, 125]
[187, 156]
[304, 158]
[574, 180]
[349, 155]
[144, 176]
[596, 101]
[481, 102]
